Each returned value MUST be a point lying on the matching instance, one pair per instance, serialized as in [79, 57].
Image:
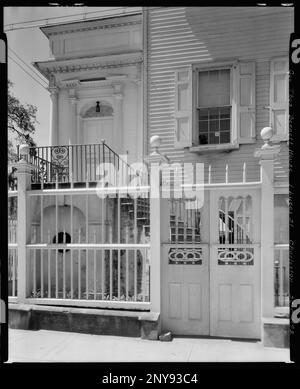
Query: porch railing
[79, 164]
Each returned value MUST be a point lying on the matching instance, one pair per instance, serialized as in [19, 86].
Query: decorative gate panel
[185, 293]
[211, 265]
[235, 264]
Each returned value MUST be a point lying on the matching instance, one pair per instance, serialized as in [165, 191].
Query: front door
[96, 129]
[211, 266]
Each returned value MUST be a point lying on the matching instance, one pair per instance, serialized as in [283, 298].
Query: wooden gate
[211, 264]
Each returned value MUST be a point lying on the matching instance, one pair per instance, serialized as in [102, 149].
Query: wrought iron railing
[79, 163]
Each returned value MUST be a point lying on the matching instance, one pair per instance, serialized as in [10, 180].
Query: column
[266, 155]
[118, 119]
[139, 126]
[24, 221]
[54, 116]
[74, 133]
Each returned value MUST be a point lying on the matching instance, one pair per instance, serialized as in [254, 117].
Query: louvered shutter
[279, 97]
[246, 102]
[183, 108]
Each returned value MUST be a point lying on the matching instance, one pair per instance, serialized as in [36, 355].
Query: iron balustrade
[79, 164]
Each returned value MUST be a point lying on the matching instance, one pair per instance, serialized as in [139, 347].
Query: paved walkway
[52, 346]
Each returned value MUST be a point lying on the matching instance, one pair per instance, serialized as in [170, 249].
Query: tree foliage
[21, 123]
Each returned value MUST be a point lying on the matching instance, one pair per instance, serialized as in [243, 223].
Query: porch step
[85, 320]
[276, 332]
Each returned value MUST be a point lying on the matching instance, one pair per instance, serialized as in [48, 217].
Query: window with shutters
[215, 105]
[279, 98]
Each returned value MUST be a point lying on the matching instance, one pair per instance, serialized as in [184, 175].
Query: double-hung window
[215, 105]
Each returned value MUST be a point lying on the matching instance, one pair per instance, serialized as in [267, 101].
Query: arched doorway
[98, 123]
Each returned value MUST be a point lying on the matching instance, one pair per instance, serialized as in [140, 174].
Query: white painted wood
[183, 107]
[235, 290]
[246, 102]
[279, 98]
[24, 222]
[185, 294]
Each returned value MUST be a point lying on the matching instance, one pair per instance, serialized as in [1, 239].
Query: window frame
[196, 69]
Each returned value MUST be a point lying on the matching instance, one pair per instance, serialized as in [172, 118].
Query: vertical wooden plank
[64, 265]
[42, 218]
[143, 273]
[127, 273]
[119, 219]
[56, 273]
[87, 218]
[87, 273]
[79, 273]
[244, 219]
[110, 274]
[135, 275]
[119, 275]
[42, 273]
[13, 255]
[102, 273]
[34, 272]
[95, 270]
[281, 291]
[49, 273]
[226, 220]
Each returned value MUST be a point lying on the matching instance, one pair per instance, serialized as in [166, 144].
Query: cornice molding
[92, 28]
[87, 64]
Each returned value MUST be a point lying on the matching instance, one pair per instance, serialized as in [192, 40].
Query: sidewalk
[53, 346]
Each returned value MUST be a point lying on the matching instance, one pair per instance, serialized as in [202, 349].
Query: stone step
[85, 320]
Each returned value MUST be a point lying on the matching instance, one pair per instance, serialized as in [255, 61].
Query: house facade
[180, 88]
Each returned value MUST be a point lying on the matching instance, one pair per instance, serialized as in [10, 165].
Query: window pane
[214, 113]
[214, 130]
[203, 139]
[214, 88]
[203, 126]
[213, 139]
[225, 137]
[224, 125]
[225, 113]
[203, 114]
[214, 125]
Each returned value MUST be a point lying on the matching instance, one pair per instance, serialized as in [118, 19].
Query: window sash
[214, 134]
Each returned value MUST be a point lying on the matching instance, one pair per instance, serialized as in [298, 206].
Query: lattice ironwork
[185, 256]
[60, 163]
[235, 256]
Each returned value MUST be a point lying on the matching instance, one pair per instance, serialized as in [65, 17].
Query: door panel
[235, 264]
[96, 129]
[185, 297]
[214, 288]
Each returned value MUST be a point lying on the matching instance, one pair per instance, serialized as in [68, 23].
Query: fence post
[155, 249]
[24, 181]
[267, 154]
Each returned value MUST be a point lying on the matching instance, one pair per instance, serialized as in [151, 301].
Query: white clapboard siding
[180, 36]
